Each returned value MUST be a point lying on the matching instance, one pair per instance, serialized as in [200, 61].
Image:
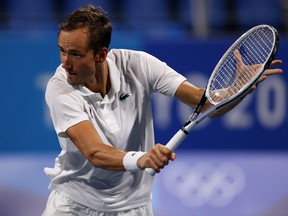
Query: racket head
[256, 48]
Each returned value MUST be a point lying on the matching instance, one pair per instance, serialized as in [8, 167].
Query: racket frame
[261, 70]
[197, 117]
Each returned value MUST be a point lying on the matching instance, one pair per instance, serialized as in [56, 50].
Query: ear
[101, 55]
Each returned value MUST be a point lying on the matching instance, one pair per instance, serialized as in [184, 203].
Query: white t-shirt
[122, 122]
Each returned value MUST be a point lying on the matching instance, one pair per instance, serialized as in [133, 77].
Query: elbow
[104, 160]
[94, 160]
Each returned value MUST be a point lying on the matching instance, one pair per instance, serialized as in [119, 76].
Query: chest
[121, 117]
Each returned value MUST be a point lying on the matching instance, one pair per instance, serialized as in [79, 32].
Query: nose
[66, 62]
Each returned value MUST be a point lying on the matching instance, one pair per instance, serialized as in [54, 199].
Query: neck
[102, 82]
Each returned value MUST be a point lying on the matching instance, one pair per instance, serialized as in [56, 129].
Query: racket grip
[176, 140]
[173, 143]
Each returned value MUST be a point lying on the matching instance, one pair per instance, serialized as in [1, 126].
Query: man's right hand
[156, 158]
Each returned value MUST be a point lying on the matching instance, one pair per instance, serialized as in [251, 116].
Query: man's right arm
[88, 141]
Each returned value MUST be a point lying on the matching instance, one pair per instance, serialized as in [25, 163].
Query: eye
[62, 52]
[76, 54]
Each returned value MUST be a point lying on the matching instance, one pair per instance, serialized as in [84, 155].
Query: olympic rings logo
[204, 183]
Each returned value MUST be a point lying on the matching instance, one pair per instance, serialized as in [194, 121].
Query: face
[77, 59]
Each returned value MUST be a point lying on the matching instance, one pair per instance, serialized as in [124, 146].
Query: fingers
[275, 62]
[239, 63]
[160, 156]
[241, 67]
[157, 158]
[238, 58]
[272, 71]
[269, 72]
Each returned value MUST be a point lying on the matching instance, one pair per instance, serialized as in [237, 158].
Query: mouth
[71, 77]
[70, 73]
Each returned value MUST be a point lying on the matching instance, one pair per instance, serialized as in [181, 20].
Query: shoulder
[129, 56]
[58, 82]
[139, 62]
[128, 53]
[58, 88]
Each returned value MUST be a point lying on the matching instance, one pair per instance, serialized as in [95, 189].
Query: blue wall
[29, 60]
[239, 168]
[233, 150]
[260, 122]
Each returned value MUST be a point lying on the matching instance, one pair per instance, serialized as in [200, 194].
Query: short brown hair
[97, 22]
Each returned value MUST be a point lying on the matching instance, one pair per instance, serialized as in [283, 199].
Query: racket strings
[260, 47]
[233, 75]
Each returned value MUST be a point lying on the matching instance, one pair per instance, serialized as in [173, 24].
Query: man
[100, 104]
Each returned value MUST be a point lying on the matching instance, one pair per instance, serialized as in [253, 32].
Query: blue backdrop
[28, 61]
[259, 123]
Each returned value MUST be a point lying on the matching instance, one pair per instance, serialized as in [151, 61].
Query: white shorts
[59, 205]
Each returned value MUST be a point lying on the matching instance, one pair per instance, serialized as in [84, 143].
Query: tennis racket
[237, 71]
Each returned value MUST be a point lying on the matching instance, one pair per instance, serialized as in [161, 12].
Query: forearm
[104, 156]
[190, 95]
[100, 154]
[110, 158]
[107, 157]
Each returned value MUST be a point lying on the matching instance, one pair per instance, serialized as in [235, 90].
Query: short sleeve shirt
[123, 119]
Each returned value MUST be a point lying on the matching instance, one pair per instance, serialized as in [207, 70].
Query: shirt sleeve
[66, 108]
[162, 78]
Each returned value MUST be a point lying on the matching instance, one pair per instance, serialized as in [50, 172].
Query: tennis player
[100, 104]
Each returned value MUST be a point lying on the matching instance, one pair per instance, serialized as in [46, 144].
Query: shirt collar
[114, 74]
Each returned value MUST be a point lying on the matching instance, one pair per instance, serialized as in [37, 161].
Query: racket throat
[197, 109]
[184, 129]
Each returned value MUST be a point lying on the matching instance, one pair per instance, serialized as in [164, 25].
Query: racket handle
[176, 140]
[150, 171]
[173, 143]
